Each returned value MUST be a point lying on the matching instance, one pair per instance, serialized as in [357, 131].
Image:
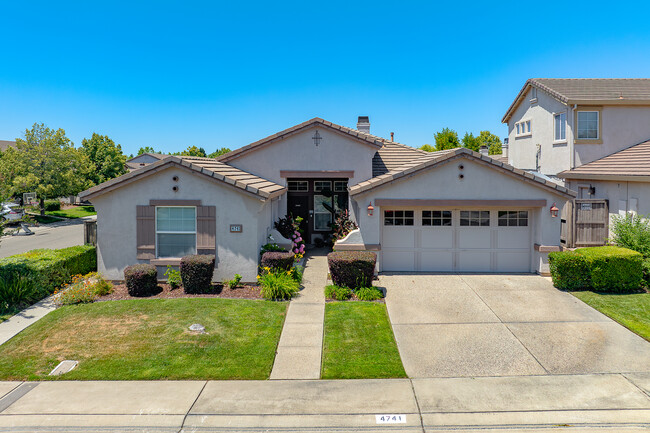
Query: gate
[585, 223]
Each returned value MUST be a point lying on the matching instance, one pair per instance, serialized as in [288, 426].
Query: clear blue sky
[213, 74]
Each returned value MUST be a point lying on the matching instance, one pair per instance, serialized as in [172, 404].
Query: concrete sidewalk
[27, 317]
[301, 342]
[576, 403]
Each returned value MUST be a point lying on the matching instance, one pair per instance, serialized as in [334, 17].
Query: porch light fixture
[317, 138]
[371, 209]
[554, 210]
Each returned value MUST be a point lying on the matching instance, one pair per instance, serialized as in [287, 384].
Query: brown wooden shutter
[206, 229]
[146, 232]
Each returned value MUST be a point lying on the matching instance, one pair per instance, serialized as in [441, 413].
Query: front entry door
[298, 206]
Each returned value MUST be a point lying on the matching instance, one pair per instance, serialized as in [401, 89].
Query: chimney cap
[364, 119]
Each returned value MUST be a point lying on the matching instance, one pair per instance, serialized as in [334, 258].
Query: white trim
[560, 140]
[597, 124]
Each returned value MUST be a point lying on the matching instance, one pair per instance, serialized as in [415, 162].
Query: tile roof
[632, 163]
[373, 140]
[262, 188]
[393, 155]
[624, 91]
[439, 157]
[4, 144]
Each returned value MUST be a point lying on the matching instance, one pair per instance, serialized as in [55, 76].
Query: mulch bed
[245, 291]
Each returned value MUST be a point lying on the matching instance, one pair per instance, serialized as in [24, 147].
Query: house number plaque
[235, 228]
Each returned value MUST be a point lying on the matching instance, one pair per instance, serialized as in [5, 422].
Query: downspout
[572, 154]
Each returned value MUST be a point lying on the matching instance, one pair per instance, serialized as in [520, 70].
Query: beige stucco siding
[480, 182]
[235, 252]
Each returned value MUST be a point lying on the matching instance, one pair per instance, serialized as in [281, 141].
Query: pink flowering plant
[297, 241]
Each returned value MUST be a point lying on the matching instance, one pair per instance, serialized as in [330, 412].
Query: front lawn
[44, 219]
[631, 310]
[359, 342]
[150, 339]
[73, 212]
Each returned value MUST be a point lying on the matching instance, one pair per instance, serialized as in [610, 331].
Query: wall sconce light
[592, 190]
[371, 209]
[554, 211]
[317, 138]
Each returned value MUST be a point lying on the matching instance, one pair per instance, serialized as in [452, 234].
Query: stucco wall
[623, 196]
[236, 252]
[298, 152]
[479, 183]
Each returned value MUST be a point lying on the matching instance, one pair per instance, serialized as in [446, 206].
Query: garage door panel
[399, 237]
[513, 238]
[474, 238]
[398, 260]
[437, 261]
[474, 261]
[442, 237]
[515, 261]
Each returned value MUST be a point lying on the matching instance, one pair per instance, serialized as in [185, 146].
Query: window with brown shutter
[146, 232]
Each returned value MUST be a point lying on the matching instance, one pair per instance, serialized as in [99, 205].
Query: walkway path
[30, 315]
[301, 343]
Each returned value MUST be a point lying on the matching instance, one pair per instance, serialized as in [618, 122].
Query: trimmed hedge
[141, 279]
[51, 205]
[605, 269]
[196, 273]
[646, 271]
[50, 268]
[353, 269]
[278, 260]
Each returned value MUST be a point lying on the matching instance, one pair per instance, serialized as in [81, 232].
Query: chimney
[392, 136]
[504, 147]
[484, 150]
[363, 124]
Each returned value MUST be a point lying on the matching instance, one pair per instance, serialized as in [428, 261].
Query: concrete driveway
[503, 325]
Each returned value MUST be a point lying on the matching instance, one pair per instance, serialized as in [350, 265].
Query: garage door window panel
[436, 218]
[513, 218]
[475, 218]
[399, 217]
[175, 231]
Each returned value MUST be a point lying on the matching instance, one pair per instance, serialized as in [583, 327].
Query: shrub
[297, 273]
[278, 285]
[234, 282]
[569, 270]
[84, 289]
[646, 272]
[47, 269]
[196, 273]
[633, 232]
[51, 205]
[369, 293]
[278, 260]
[611, 269]
[141, 279]
[614, 269]
[173, 277]
[352, 269]
[339, 293]
[19, 290]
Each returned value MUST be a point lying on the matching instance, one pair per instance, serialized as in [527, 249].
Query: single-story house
[454, 211]
[143, 160]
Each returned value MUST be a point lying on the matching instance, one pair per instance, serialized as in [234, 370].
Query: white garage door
[453, 240]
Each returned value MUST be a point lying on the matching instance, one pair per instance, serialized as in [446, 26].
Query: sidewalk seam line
[643, 391]
[417, 404]
[192, 406]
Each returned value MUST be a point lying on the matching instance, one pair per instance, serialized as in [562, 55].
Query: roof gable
[359, 136]
[443, 156]
[245, 182]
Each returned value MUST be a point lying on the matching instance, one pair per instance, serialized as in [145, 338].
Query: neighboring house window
[588, 125]
[175, 231]
[322, 185]
[523, 128]
[398, 217]
[298, 185]
[560, 126]
[479, 218]
[436, 218]
[513, 218]
[533, 94]
[340, 185]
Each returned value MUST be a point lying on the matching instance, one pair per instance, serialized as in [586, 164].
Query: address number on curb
[391, 419]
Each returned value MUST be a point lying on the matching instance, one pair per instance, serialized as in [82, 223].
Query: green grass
[5, 314]
[73, 212]
[150, 339]
[359, 342]
[44, 219]
[631, 311]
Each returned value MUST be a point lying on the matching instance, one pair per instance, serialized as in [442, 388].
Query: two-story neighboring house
[591, 134]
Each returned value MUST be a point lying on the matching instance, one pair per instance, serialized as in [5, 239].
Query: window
[533, 94]
[528, 126]
[475, 218]
[513, 218]
[588, 125]
[298, 185]
[322, 212]
[340, 185]
[517, 125]
[175, 231]
[436, 218]
[322, 185]
[523, 128]
[560, 126]
[398, 217]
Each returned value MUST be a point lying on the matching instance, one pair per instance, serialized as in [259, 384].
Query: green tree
[427, 148]
[192, 151]
[493, 143]
[219, 152]
[47, 163]
[146, 149]
[471, 142]
[446, 139]
[108, 158]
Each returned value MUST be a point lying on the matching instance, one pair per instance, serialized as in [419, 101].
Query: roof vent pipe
[484, 150]
[363, 124]
[392, 136]
[504, 148]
